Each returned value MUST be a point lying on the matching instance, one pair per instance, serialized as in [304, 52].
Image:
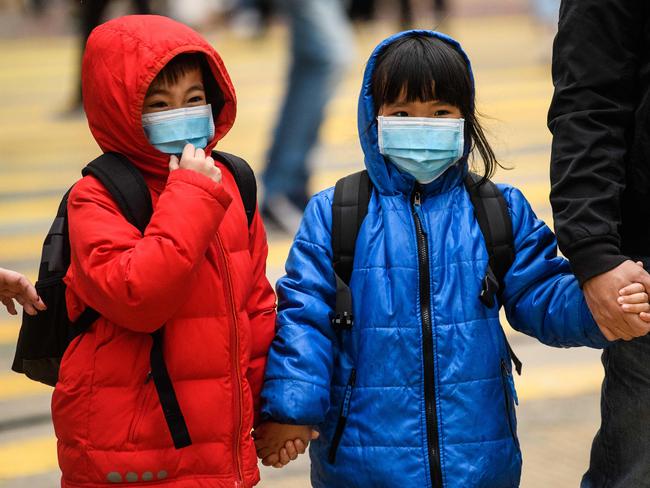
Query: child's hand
[634, 299]
[196, 160]
[277, 444]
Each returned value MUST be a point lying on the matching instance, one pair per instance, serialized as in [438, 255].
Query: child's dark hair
[185, 63]
[427, 68]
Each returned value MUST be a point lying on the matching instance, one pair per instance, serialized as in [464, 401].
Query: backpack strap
[494, 220]
[129, 190]
[167, 395]
[126, 185]
[245, 179]
[55, 257]
[350, 206]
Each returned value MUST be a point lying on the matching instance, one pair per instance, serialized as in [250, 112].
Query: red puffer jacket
[199, 270]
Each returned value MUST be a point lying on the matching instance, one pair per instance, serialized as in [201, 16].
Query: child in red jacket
[150, 87]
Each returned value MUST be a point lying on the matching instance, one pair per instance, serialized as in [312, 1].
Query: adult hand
[602, 293]
[14, 286]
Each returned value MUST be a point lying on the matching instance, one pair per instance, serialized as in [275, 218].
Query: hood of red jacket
[121, 59]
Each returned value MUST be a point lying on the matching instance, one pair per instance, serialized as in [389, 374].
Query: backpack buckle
[343, 321]
[489, 289]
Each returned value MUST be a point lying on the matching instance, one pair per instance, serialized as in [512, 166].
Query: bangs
[178, 67]
[185, 63]
[421, 68]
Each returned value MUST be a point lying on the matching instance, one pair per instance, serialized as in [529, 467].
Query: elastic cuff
[593, 259]
[200, 180]
[592, 331]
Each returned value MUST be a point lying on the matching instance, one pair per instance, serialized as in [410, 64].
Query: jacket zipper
[143, 396]
[427, 344]
[234, 347]
[507, 396]
[343, 417]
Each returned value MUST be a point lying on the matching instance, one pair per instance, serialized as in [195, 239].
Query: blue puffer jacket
[433, 399]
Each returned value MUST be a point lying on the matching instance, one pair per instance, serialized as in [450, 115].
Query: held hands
[278, 444]
[196, 160]
[634, 299]
[14, 286]
[616, 318]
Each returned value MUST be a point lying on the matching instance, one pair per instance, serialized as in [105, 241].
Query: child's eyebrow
[198, 86]
[157, 91]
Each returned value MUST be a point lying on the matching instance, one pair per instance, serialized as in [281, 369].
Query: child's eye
[401, 114]
[441, 113]
[196, 99]
[157, 105]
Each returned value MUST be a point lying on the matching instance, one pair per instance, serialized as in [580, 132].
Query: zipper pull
[417, 206]
[511, 382]
[148, 378]
[417, 199]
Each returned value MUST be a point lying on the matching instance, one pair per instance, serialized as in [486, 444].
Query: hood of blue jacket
[387, 179]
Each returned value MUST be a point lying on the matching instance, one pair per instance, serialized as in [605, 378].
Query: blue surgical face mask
[422, 147]
[170, 130]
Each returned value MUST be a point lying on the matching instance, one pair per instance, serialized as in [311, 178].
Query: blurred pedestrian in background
[14, 286]
[440, 8]
[545, 14]
[364, 10]
[253, 17]
[321, 48]
[36, 7]
[91, 14]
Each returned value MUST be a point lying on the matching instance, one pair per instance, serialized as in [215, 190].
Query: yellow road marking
[26, 182]
[559, 381]
[36, 208]
[9, 331]
[14, 385]
[21, 247]
[28, 457]
[38, 455]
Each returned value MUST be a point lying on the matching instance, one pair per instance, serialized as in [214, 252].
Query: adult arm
[595, 63]
[14, 286]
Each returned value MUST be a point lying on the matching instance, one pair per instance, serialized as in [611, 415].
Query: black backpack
[349, 208]
[43, 338]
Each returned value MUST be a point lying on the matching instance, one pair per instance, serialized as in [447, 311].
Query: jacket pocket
[510, 400]
[140, 408]
[343, 417]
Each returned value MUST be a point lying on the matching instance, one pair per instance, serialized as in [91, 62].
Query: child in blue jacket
[424, 377]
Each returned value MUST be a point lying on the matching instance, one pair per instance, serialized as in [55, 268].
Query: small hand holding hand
[278, 444]
[634, 299]
[196, 160]
[14, 286]
[602, 294]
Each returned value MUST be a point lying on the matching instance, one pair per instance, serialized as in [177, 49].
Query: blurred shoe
[280, 215]
[71, 113]
[249, 24]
